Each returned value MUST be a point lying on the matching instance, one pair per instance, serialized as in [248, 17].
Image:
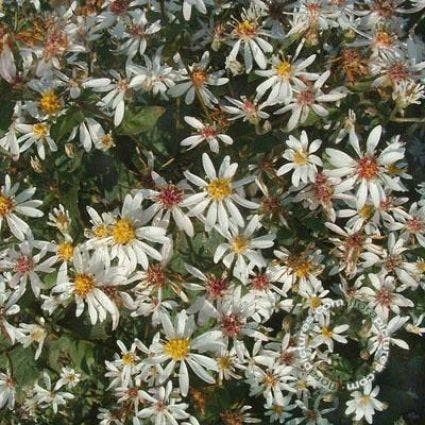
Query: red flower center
[170, 196]
[368, 168]
[231, 325]
[24, 264]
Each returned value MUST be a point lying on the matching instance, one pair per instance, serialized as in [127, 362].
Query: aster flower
[370, 172]
[179, 347]
[9, 308]
[7, 390]
[68, 377]
[310, 97]
[245, 109]
[303, 162]
[59, 218]
[32, 333]
[283, 74]
[206, 132]
[12, 204]
[325, 334]
[91, 282]
[363, 404]
[243, 249]
[196, 79]
[38, 134]
[219, 194]
[128, 233]
[249, 34]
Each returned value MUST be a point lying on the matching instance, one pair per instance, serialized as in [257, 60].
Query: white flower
[309, 97]
[168, 199]
[26, 266]
[196, 80]
[7, 391]
[364, 404]
[248, 110]
[92, 133]
[370, 172]
[48, 397]
[283, 74]
[60, 219]
[12, 204]
[91, 282]
[208, 133]
[128, 233]
[325, 334]
[163, 407]
[8, 307]
[68, 377]
[179, 347]
[32, 333]
[136, 35]
[38, 134]
[244, 248]
[303, 162]
[249, 36]
[219, 194]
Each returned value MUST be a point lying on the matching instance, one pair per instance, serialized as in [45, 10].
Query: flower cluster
[209, 210]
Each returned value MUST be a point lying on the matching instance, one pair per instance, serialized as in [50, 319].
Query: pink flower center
[216, 287]
[170, 196]
[384, 297]
[208, 132]
[260, 282]
[24, 264]
[156, 276]
[368, 168]
[415, 225]
[231, 325]
[306, 97]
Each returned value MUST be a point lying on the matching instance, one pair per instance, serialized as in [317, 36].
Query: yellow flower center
[84, 284]
[240, 244]
[129, 359]
[65, 251]
[364, 400]
[199, 77]
[220, 189]
[246, 29]
[62, 220]
[303, 269]
[177, 348]
[6, 205]
[107, 140]
[420, 265]
[41, 130]
[300, 158]
[326, 332]
[50, 103]
[315, 302]
[366, 211]
[225, 362]
[284, 69]
[101, 231]
[38, 334]
[123, 231]
[394, 170]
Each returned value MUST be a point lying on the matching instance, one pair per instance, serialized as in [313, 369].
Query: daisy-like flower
[68, 377]
[116, 88]
[303, 161]
[60, 219]
[363, 404]
[249, 36]
[325, 334]
[412, 224]
[244, 248]
[7, 390]
[26, 266]
[38, 134]
[280, 412]
[92, 133]
[206, 132]
[8, 308]
[309, 97]
[370, 172]
[380, 340]
[136, 34]
[248, 110]
[50, 397]
[127, 362]
[219, 194]
[163, 407]
[168, 199]
[92, 283]
[385, 297]
[32, 333]
[283, 74]
[128, 233]
[179, 347]
[12, 204]
[196, 79]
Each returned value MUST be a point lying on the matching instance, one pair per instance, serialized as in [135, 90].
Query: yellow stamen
[177, 348]
[50, 103]
[65, 251]
[220, 189]
[123, 231]
[239, 244]
[84, 284]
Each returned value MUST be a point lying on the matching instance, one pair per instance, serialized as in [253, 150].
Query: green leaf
[141, 120]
